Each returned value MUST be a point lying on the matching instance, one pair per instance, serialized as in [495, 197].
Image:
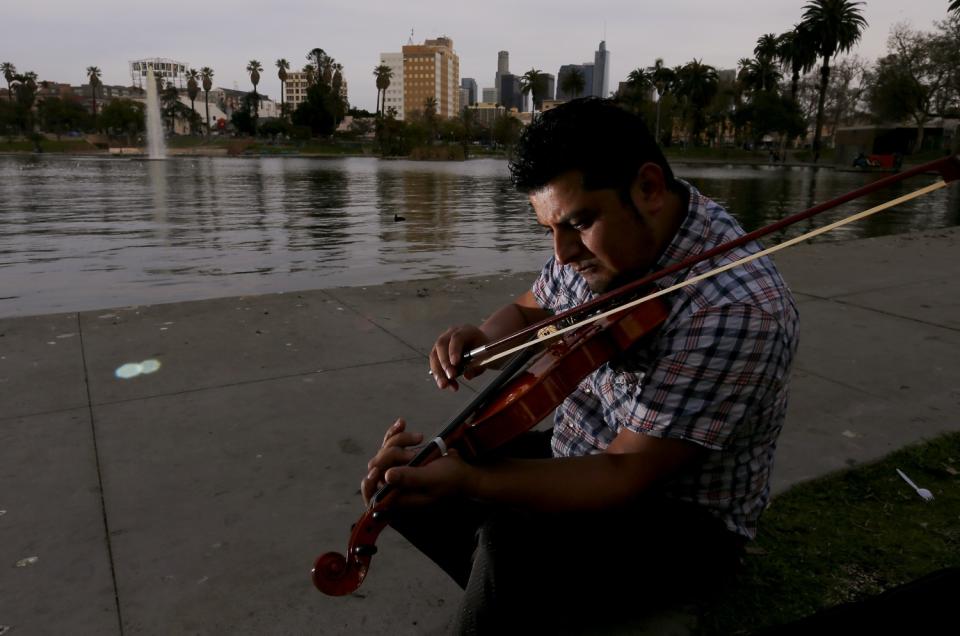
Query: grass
[846, 537]
[48, 145]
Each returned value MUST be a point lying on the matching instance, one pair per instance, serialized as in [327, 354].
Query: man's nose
[566, 245]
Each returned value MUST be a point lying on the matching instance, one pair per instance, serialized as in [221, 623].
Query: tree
[954, 7]
[254, 67]
[797, 52]
[317, 58]
[759, 74]
[384, 74]
[321, 111]
[93, 73]
[282, 67]
[25, 93]
[169, 100]
[697, 83]
[193, 89]
[909, 82]
[506, 131]
[206, 76]
[243, 119]
[835, 25]
[123, 117]
[573, 83]
[534, 82]
[337, 82]
[60, 116]
[766, 48]
[9, 72]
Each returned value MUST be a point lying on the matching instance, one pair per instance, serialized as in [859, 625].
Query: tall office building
[431, 69]
[470, 85]
[601, 71]
[503, 68]
[510, 95]
[394, 93]
[586, 72]
[490, 95]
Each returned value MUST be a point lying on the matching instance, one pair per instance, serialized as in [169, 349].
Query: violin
[532, 385]
[526, 392]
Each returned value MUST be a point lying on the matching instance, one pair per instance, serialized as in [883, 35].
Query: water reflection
[97, 232]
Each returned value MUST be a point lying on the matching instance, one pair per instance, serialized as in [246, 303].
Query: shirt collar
[689, 239]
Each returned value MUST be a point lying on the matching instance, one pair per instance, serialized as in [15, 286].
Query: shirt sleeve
[709, 375]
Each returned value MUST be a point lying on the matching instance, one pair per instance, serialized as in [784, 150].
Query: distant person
[861, 161]
[657, 468]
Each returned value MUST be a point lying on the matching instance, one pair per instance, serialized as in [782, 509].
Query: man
[658, 465]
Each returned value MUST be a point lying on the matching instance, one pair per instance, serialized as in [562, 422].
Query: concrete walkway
[193, 499]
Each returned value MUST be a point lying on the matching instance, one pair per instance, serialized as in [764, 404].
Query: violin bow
[948, 167]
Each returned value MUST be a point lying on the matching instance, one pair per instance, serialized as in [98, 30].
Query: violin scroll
[334, 575]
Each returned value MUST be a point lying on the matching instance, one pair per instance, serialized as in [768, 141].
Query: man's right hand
[447, 354]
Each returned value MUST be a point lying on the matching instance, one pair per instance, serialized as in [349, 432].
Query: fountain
[156, 147]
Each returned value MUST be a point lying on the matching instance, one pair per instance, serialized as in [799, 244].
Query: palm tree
[535, 82]
[282, 67]
[93, 73]
[317, 57]
[192, 91]
[639, 79]
[9, 72]
[766, 47]
[337, 82]
[797, 51]
[759, 74]
[697, 83]
[384, 74]
[206, 75]
[954, 7]
[254, 67]
[573, 83]
[836, 25]
[311, 72]
[328, 70]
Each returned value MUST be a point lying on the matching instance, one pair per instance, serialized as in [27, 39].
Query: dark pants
[570, 572]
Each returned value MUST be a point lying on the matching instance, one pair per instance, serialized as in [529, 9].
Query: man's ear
[649, 188]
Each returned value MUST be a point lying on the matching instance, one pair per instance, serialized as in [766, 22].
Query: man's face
[605, 240]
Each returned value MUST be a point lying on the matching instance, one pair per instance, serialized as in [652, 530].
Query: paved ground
[193, 499]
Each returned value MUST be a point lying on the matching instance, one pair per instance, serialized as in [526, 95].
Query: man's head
[599, 183]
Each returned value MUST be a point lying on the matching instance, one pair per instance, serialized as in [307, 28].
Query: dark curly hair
[592, 135]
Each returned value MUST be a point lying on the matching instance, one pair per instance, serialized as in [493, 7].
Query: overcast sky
[59, 38]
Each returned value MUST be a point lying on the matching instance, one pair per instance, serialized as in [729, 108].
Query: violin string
[696, 279]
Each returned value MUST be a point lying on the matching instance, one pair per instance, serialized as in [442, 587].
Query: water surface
[88, 233]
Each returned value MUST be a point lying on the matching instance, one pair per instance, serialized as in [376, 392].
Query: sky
[59, 39]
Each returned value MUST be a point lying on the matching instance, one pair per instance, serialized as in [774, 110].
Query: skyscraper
[601, 71]
[503, 68]
[431, 69]
[393, 97]
[510, 96]
[470, 85]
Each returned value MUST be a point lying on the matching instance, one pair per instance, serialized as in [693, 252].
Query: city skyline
[225, 36]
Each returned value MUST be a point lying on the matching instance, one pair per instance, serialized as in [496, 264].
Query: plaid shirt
[715, 374]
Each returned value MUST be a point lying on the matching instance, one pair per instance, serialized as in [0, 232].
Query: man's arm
[629, 467]
[446, 354]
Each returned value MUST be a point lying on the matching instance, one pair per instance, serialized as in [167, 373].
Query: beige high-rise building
[431, 69]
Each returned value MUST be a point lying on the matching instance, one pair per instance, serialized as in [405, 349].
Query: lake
[80, 233]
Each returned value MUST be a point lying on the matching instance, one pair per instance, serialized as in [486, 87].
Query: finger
[397, 427]
[391, 456]
[454, 354]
